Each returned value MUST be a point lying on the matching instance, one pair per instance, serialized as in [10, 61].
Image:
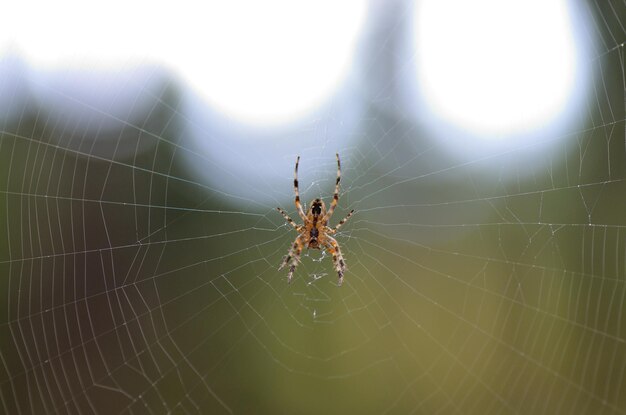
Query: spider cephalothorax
[314, 233]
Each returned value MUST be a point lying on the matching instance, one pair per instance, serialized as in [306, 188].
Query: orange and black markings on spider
[315, 233]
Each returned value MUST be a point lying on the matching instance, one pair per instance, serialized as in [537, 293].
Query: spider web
[473, 286]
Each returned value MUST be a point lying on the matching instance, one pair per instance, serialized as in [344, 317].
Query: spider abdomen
[314, 238]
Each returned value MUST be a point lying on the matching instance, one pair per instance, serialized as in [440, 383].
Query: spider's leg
[289, 220]
[293, 257]
[335, 200]
[338, 261]
[289, 255]
[297, 192]
[341, 222]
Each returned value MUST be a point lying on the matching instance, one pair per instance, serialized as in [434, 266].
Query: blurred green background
[492, 284]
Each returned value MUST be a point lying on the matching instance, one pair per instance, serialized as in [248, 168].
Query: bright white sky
[489, 67]
[260, 62]
[494, 67]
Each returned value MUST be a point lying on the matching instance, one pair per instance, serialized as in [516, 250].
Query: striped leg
[335, 200]
[297, 192]
[340, 224]
[288, 219]
[293, 257]
[338, 261]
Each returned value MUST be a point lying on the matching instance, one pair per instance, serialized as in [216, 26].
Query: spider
[314, 234]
